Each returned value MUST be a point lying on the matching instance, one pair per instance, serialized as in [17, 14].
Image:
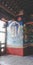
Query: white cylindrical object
[2, 50]
[2, 45]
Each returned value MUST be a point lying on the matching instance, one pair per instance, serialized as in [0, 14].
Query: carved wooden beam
[6, 9]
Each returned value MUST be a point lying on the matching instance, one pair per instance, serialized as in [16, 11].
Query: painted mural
[28, 34]
[15, 34]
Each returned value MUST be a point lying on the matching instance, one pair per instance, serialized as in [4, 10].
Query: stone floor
[16, 60]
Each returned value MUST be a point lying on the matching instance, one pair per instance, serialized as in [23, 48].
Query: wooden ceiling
[14, 6]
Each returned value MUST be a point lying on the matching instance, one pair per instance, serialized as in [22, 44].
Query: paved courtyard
[16, 60]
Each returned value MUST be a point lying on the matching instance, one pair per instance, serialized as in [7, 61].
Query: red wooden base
[15, 51]
[19, 51]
